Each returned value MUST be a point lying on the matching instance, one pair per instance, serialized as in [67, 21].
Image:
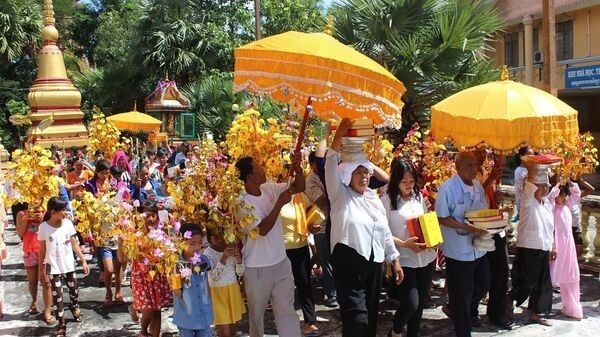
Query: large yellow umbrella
[296, 67]
[504, 115]
[135, 121]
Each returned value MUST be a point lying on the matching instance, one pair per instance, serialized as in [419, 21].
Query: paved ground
[115, 322]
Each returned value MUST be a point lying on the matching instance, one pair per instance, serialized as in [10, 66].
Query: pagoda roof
[166, 97]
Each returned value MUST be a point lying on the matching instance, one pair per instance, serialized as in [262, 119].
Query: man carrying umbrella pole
[467, 268]
[268, 273]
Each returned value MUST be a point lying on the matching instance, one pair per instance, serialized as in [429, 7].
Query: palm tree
[434, 47]
[212, 100]
[186, 39]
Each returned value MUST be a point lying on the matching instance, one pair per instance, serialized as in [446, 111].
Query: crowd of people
[362, 227]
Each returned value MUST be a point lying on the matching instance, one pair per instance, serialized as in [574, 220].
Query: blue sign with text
[582, 77]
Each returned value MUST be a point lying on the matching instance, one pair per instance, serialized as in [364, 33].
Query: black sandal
[61, 330]
[77, 314]
[32, 311]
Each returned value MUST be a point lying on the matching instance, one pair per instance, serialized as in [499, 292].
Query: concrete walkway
[98, 322]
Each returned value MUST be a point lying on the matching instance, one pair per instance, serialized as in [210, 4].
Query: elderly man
[467, 268]
[268, 273]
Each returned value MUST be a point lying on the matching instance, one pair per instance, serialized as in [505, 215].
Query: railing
[590, 227]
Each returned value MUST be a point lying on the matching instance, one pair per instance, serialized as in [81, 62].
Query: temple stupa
[52, 97]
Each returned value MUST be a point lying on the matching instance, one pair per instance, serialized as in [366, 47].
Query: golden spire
[329, 26]
[504, 74]
[53, 95]
[48, 13]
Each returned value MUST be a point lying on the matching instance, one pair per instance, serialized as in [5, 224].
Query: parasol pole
[307, 110]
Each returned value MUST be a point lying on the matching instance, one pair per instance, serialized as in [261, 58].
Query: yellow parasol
[504, 115]
[135, 121]
[336, 80]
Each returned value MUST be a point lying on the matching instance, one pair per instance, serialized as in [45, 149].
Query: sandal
[49, 320]
[541, 321]
[32, 311]
[61, 330]
[107, 303]
[77, 315]
[119, 300]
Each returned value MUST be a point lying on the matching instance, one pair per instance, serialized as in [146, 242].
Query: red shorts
[30, 260]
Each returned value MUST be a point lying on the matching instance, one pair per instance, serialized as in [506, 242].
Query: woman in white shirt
[402, 202]
[520, 177]
[360, 238]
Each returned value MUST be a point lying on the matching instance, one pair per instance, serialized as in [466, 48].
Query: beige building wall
[585, 15]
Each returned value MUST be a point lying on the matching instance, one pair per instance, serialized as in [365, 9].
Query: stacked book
[426, 228]
[361, 127]
[489, 219]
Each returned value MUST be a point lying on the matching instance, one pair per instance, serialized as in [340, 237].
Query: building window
[511, 49]
[564, 40]
[536, 39]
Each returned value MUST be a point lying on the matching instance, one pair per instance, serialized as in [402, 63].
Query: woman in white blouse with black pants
[402, 202]
[361, 240]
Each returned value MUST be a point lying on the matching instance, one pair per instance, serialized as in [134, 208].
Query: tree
[20, 25]
[434, 47]
[283, 15]
[212, 100]
[116, 33]
[188, 38]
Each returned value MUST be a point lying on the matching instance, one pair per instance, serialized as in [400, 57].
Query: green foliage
[435, 48]
[212, 100]
[284, 15]
[20, 25]
[186, 39]
[11, 134]
[115, 33]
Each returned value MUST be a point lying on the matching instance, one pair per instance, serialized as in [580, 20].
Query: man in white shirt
[535, 238]
[268, 273]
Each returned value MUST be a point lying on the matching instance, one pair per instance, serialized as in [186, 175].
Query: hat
[539, 173]
[347, 168]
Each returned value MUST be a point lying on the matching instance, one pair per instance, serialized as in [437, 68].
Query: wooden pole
[302, 131]
[257, 23]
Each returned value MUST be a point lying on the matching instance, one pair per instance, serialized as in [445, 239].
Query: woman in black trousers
[403, 202]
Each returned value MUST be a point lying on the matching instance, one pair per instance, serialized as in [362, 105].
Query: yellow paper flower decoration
[32, 174]
[379, 151]
[207, 192]
[263, 140]
[103, 135]
[98, 216]
[432, 159]
[579, 156]
[158, 248]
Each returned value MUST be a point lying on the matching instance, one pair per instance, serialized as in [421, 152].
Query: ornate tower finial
[48, 13]
[329, 26]
[504, 75]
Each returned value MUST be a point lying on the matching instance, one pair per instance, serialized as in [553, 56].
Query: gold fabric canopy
[504, 115]
[293, 66]
[135, 121]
